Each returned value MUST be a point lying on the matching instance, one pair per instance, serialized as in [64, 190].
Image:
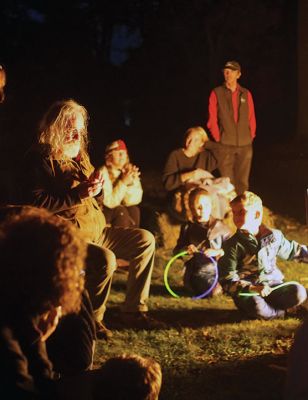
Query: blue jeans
[199, 275]
[274, 305]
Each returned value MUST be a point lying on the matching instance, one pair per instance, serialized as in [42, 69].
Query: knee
[110, 261]
[98, 258]
[301, 294]
[146, 238]
[120, 211]
[253, 306]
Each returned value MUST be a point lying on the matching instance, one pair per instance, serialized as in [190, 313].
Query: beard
[71, 150]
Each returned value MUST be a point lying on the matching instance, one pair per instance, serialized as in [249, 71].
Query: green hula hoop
[250, 294]
[183, 253]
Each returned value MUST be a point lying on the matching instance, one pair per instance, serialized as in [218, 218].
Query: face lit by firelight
[72, 140]
[202, 208]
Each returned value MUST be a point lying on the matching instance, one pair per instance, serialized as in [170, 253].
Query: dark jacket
[208, 236]
[48, 183]
[25, 370]
[178, 162]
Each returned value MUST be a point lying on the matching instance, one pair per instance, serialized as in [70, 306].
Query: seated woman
[122, 187]
[192, 166]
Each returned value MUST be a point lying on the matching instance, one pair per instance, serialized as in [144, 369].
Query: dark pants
[71, 346]
[274, 305]
[235, 162]
[126, 217]
[200, 274]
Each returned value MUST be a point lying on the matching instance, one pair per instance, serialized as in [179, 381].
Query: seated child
[248, 269]
[203, 234]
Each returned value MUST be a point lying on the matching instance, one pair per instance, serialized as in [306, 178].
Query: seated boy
[248, 269]
[202, 236]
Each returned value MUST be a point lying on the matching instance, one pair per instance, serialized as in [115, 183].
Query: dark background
[152, 84]
[144, 70]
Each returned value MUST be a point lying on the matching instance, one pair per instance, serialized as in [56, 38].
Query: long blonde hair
[53, 126]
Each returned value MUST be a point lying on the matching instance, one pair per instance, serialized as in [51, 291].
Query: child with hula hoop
[248, 269]
[201, 237]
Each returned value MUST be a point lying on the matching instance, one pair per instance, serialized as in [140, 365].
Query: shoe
[299, 312]
[102, 332]
[140, 320]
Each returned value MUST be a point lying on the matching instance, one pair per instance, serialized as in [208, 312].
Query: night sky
[144, 69]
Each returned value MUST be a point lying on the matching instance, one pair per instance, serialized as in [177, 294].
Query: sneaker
[141, 320]
[102, 332]
[299, 312]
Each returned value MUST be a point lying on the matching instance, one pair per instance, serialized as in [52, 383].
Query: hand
[48, 322]
[191, 249]
[129, 174]
[136, 172]
[96, 176]
[199, 174]
[216, 253]
[263, 290]
[90, 188]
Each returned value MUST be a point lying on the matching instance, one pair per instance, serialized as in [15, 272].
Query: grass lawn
[208, 351]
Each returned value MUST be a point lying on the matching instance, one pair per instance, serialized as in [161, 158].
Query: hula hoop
[250, 294]
[171, 261]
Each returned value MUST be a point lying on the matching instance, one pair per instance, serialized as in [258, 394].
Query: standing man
[58, 176]
[232, 123]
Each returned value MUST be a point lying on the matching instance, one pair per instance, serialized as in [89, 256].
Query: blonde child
[248, 269]
[202, 237]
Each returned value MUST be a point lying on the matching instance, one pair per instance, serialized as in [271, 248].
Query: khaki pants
[135, 245]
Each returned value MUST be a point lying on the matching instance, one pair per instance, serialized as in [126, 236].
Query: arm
[251, 116]
[229, 266]
[42, 188]
[133, 195]
[113, 192]
[290, 250]
[182, 241]
[212, 123]
[173, 177]
[171, 174]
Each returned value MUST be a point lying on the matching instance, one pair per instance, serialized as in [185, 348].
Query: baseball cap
[116, 145]
[234, 65]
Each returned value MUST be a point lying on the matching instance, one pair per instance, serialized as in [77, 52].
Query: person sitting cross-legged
[248, 268]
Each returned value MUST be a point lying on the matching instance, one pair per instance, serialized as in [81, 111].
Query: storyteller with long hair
[59, 176]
